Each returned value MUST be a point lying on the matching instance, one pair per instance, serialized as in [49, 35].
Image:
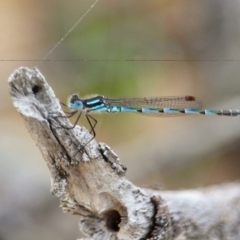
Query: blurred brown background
[178, 153]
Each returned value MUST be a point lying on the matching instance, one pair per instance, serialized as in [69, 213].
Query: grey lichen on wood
[90, 180]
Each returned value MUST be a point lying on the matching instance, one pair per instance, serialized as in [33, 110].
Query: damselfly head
[74, 102]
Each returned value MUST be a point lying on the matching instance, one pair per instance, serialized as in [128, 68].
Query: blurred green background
[178, 153]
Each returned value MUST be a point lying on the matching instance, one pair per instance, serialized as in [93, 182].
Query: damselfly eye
[78, 104]
[74, 98]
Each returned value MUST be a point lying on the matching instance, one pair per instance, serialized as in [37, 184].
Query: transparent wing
[157, 102]
[176, 102]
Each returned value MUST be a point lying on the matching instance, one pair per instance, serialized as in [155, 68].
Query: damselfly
[157, 106]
